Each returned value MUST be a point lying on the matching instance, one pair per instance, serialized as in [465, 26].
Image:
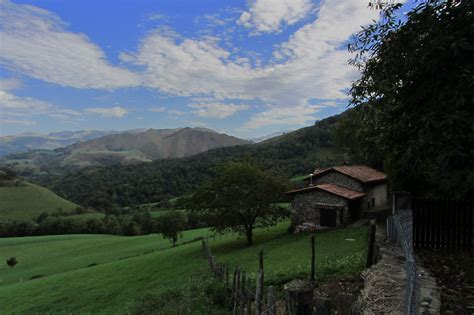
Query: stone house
[338, 196]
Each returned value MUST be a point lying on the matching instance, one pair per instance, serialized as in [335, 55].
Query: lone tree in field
[240, 198]
[171, 224]
[11, 262]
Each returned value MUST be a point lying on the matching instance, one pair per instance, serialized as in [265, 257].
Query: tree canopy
[240, 198]
[414, 110]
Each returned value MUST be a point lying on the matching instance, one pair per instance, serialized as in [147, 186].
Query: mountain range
[93, 148]
[34, 140]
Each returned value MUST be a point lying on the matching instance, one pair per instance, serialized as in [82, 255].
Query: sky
[245, 68]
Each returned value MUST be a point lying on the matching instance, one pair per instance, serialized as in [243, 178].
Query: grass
[298, 179]
[26, 202]
[288, 256]
[49, 255]
[128, 267]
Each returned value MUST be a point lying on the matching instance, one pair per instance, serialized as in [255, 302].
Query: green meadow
[105, 274]
[27, 201]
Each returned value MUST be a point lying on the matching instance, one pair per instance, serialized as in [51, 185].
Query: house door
[327, 217]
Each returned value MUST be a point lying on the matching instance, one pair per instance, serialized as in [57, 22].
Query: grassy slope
[110, 287]
[48, 255]
[28, 201]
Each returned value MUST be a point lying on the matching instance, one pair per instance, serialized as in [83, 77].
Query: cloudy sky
[247, 68]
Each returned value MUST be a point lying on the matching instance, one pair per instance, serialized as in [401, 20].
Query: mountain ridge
[131, 147]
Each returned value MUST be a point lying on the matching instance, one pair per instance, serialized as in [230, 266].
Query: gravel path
[384, 288]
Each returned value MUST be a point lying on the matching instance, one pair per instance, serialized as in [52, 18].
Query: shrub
[11, 262]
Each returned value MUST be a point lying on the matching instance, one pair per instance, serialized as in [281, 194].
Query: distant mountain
[126, 148]
[292, 154]
[32, 140]
[149, 145]
[266, 137]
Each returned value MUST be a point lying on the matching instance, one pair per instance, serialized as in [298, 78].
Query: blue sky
[246, 68]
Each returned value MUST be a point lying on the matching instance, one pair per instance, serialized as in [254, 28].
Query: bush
[200, 296]
[11, 262]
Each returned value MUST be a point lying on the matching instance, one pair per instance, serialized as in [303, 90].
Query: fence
[245, 296]
[400, 229]
[443, 224]
[251, 296]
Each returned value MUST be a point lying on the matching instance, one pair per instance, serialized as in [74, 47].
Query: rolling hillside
[111, 272]
[289, 155]
[25, 201]
[124, 148]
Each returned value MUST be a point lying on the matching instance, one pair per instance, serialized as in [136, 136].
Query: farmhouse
[338, 196]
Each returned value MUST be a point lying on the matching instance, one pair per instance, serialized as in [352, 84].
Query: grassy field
[27, 201]
[127, 267]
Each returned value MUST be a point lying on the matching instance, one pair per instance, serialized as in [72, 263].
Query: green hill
[289, 155]
[122, 269]
[25, 201]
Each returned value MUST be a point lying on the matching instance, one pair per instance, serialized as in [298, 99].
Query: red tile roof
[362, 173]
[333, 189]
[341, 191]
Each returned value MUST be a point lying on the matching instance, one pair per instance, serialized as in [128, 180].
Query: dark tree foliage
[240, 198]
[171, 224]
[11, 262]
[414, 111]
[111, 187]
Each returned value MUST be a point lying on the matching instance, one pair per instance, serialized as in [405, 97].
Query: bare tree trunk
[249, 235]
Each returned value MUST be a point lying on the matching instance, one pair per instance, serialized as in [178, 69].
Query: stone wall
[339, 179]
[305, 207]
[379, 193]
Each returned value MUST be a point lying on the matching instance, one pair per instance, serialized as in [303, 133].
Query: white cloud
[12, 107]
[109, 112]
[217, 110]
[268, 16]
[9, 84]
[15, 105]
[312, 64]
[288, 116]
[17, 122]
[35, 42]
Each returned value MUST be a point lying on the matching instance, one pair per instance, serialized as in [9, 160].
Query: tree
[414, 101]
[11, 262]
[171, 224]
[240, 198]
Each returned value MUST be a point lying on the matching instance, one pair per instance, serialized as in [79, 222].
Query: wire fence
[400, 230]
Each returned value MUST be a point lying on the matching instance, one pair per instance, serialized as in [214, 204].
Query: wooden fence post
[299, 297]
[259, 292]
[371, 249]
[243, 295]
[313, 258]
[237, 292]
[271, 304]
[249, 300]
